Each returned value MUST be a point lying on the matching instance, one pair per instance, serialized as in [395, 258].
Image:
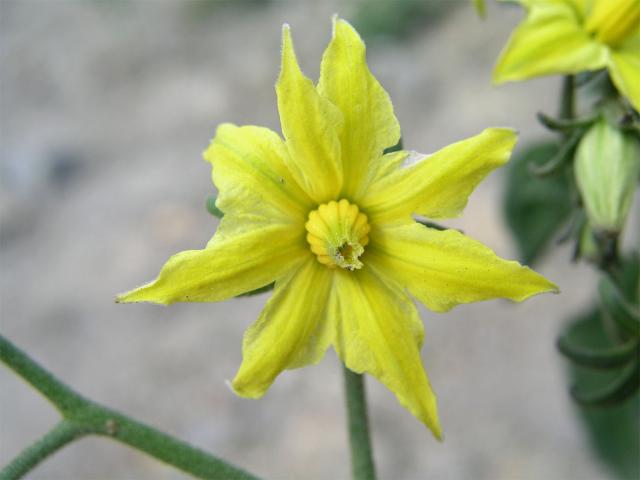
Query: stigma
[613, 21]
[337, 233]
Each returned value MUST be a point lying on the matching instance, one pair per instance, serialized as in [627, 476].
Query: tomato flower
[572, 36]
[327, 216]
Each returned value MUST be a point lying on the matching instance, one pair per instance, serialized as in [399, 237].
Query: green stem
[568, 98]
[63, 433]
[361, 453]
[83, 416]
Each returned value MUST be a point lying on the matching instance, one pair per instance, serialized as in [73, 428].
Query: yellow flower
[572, 36]
[328, 217]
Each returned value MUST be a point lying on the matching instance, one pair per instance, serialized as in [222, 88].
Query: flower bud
[607, 165]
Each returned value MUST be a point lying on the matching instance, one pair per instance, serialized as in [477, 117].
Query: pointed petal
[231, 264]
[290, 331]
[445, 268]
[311, 125]
[390, 162]
[625, 70]
[376, 335]
[551, 40]
[249, 170]
[439, 185]
[369, 123]
[579, 5]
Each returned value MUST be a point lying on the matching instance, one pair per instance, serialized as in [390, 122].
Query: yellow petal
[445, 268]
[439, 185]
[311, 125]
[376, 335]
[231, 264]
[551, 40]
[249, 170]
[291, 331]
[612, 22]
[625, 70]
[579, 6]
[390, 162]
[369, 123]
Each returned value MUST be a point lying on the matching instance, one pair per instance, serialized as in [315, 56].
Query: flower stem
[63, 433]
[82, 416]
[568, 98]
[361, 452]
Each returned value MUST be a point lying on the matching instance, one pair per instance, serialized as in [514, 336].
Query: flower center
[613, 21]
[337, 234]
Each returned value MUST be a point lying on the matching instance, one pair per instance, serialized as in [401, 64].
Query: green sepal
[564, 154]
[395, 148]
[607, 358]
[592, 80]
[564, 125]
[623, 312]
[623, 387]
[434, 225]
[632, 126]
[211, 207]
[257, 291]
[629, 120]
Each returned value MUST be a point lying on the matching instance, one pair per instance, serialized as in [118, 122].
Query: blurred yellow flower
[572, 36]
[328, 217]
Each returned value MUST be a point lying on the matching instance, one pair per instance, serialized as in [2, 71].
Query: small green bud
[607, 165]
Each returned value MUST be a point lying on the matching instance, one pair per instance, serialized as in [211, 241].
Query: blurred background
[105, 108]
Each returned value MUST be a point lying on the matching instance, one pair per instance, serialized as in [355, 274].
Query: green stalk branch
[63, 433]
[361, 453]
[82, 416]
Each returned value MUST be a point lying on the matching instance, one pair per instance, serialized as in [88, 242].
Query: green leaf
[535, 208]
[564, 125]
[392, 19]
[614, 432]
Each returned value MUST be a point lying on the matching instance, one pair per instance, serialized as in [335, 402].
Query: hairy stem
[63, 433]
[83, 416]
[361, 452]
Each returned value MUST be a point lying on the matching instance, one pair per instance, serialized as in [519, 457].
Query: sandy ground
[105, 109]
